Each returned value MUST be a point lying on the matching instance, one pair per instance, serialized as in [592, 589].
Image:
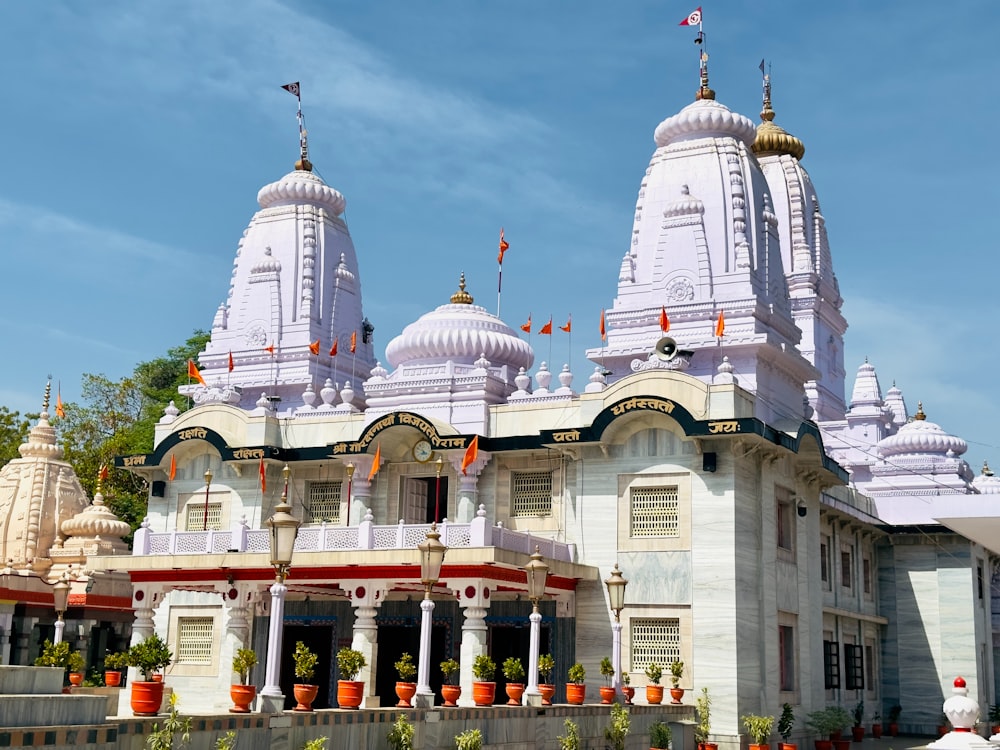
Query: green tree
[13, 433]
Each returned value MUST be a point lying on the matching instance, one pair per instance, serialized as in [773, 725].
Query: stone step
[52, 710]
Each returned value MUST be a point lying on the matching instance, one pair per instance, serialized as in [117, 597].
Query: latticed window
[194, 640]
[655, 640]
[324, 502]
[854, 666]
[831, 665]
[654, 511]
[196, 517]
[532, 494]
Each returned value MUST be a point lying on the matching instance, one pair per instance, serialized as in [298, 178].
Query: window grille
[831, 665]
[846, 569]
[196, 516]
[854, 666]
[194, 640]
[324, 502]
[654, 511]
[532, 494]
[655, 640]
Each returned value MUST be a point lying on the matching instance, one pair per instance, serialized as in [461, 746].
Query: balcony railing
[366, 535]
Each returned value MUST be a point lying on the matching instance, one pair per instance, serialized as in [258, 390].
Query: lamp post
[208, 485]
[439, 464]
[431, 559]
[536, 572]
[350, 484]
[284, 528]
[60, 598]
[616, 584]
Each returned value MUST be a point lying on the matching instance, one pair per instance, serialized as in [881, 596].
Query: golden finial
[48, 395]
[920, 411]
[771, 138]
[704, 92]
[987, 472]
[461, 297]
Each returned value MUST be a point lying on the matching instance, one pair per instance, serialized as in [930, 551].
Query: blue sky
[135, 137]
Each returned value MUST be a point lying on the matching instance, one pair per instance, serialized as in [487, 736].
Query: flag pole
[504, 245]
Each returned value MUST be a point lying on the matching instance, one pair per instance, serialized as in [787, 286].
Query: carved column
[361, 488]
[237, 601]
[468, 490]
[474, 599]
[366, 597]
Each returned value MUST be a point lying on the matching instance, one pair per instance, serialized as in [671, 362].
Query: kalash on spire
[292, 325]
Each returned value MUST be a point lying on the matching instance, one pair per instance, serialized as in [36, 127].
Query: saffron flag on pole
[693, 19]
[173, 467]
[60, 411]
[314, 347]
[720, 324]
[526, 327]
[471, 453]
[664, 320]
[231, 365]
[377, 463]
[262, 473]
[194, 373]
[102, 474]
[547, 328]
[569, 325]
[354, 341]
[504, 246]
[604, 328]
[333, 349]
[292, 88]
[269, 349]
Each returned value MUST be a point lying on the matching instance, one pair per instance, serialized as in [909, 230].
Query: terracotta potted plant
[305, 667]
[148, 656]
[839, 719]
[350, 692]
[546, 665]
[576, 689]
[703, 721]
[449, 690]
[75, 666]
[759, 728]
[786, 723]
[894, 713]
[484, 689]
[654, 690]
[513, 672]
[62, 656]
[858, 730]
[819, 722]
[242, 693]
[627, 690]
[113, 665]
[607, 672]
[660, 735]
[406, 688]
[676, 673]
[877, 725]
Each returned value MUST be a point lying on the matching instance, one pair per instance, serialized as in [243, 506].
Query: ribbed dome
[300, 187]
[95, 521]
[921, 436]
[685, 205]
[267, 264]
[461, 332]
[772, 139]
[704, 118]
[987, 483]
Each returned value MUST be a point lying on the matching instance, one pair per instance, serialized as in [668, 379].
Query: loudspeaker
[708, 462]
[159, 488]
[666, 349]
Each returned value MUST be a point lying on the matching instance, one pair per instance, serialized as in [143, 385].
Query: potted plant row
[894, 713]
[786, 723]
[607, 672]
[148, 656]
[350, 692]
[829, 723]
[243, 693]
[703, 721]
[63, 656]
[759, 728]
[546, 665]
[858, 730]
[513, 672]
[305, 667]
[676, 673]
[406, 688]
[449, 690]
[576, 689]
[114, 663]
[484, 689]
[654, 690]
[627, 690]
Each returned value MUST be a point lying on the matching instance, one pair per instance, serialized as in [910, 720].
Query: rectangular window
[531, 493]
[786, 649]
[654, 511]
[194, 640]
[785, 518]
[866, 574]
[870, 663]
[324, 502]
[854, 667]
[654, 640]
[831, 665]
[979, 581]
[195, 517]
[824, 561]
[846, 569]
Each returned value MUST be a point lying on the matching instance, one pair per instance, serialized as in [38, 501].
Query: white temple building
[786, 543]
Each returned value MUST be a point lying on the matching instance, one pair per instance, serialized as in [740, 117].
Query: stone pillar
[361, 488]
[474, 599]
[145, 599]
[237, 600]
[366, 597]
[467, 497]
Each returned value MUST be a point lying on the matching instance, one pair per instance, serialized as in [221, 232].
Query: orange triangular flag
[354, 341]
[504, 246]
[269, 349]
[314, 347]
[547, 328]
[569, 325]
[664, 320]
[720, 324]
[604, 330]
[333, 349]
[194, 373]
[103, 473]
[527, 326]
[173, 467]
[262, 473]
[377, 463]
[471, 453]
[60, 412]
[231, 364]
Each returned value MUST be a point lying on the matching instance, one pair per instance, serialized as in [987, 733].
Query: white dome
[461, 332]
[300, 187]
[921, 436]
[705, 118]
[987, 483]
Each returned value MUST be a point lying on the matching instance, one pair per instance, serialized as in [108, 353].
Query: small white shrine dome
[705, 118]
[921, 436]
[302, 187]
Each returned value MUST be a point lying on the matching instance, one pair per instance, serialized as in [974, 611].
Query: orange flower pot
[628, 691]
[350, 693]
[112, 678]
[547, 692]
[514, 691]
[451, 694]
[607, 695]
[146, 698]
[242, 696]
[575, 693]
[76, 678]
[654, 694]
[305, 695]
[405, 692]
[483, 693]
[675, 695]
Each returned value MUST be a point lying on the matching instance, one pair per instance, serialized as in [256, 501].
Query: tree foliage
[13, 432]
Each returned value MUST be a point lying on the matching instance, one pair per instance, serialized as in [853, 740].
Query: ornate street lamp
[60, 599]
[350, 485]
[616, 584]
[536, 572]
[439, 464]
[284, 528]
[431, 559]
[208, 485]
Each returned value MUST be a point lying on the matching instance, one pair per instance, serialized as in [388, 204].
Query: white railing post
[366, 531]
[140, 541]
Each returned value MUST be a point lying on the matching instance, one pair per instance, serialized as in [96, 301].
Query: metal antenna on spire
[766, 81]
[695, 19]
[303, 163]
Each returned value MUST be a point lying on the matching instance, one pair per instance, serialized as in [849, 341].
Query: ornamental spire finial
[461, 297]
[303, 164]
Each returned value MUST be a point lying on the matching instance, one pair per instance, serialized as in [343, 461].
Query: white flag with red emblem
[293, 88]
[693, 19]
